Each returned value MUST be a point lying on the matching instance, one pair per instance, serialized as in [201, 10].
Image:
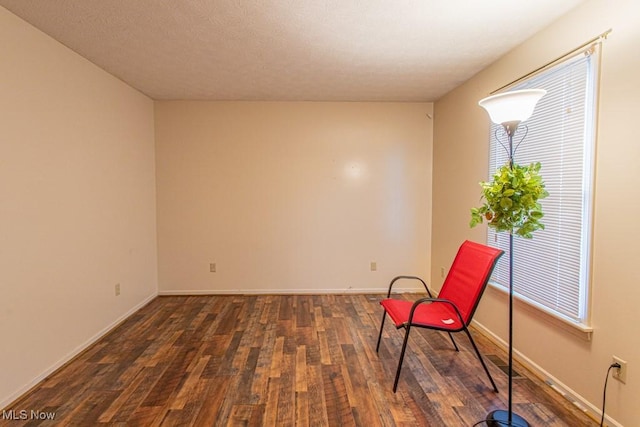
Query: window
[551, 271]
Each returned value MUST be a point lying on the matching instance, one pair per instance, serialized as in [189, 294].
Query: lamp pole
[510, 128]
[510, 132]
[509, 109]
[497, 418]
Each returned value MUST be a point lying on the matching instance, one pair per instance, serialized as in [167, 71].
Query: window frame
[583, 320]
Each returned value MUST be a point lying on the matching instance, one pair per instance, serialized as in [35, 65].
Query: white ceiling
[317, 50]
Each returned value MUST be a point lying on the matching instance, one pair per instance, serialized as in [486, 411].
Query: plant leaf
[511, 200]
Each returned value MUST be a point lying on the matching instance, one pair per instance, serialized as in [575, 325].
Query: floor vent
[502, 365]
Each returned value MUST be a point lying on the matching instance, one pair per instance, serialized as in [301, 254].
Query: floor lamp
[509, 109]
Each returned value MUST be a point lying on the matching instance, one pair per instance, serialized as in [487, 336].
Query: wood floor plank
[317, 403]
[286, 398]
[285, 360]
[212, 398]
[260, 380]
[240, 414]
[167, 385]
[149, 376]
[247, 373]
[271, 410]
[193, 378]
[303, 311]
[302, 409]
[116, 405]
[325, 354]
[335, 393]
[318, 319]
[301, 369]
[359, 394]
[276, 361]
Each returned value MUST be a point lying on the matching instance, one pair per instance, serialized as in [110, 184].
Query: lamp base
[501, 419]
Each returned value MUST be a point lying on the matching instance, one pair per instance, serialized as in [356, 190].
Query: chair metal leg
[481, 360]
[453, 341]
[384, 316]
[404, 347]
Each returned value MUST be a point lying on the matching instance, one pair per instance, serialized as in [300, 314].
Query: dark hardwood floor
[279, 361]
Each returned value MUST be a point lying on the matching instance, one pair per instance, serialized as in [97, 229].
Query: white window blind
[552, 269]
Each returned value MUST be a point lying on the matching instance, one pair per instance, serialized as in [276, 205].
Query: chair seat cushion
[436, 315]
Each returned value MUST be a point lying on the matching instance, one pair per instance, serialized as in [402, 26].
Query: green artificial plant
[511, 200]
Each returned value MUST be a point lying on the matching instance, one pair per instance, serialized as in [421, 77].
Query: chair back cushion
[468, 277]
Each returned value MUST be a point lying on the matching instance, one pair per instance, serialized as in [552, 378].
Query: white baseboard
[286, 291]
[580, 402]
[4, 403]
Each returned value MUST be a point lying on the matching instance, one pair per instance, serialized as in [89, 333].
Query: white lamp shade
[512, 106]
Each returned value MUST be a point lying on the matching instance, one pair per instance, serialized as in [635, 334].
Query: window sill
[579, 330]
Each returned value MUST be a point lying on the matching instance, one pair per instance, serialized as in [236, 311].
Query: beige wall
[291, 197]
[284, 197]
[460, 161]
[77, 203]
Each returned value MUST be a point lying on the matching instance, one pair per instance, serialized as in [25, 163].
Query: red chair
[457, 301]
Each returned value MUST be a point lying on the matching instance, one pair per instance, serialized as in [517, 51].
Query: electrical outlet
[620, 373]
[212, 267]
[442, 272]
[117, 289]
[374, 266]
